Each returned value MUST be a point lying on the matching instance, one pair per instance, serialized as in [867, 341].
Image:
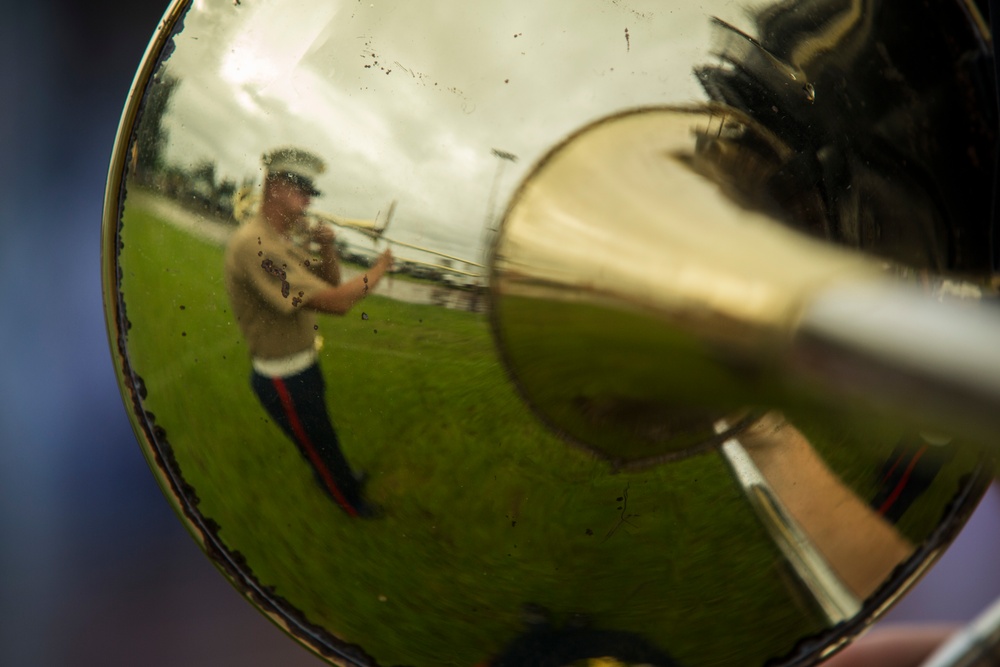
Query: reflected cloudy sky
[407, 100]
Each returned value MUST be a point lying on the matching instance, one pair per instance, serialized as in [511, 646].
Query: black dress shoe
[369, 510]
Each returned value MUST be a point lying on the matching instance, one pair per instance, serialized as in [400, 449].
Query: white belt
[293, 364]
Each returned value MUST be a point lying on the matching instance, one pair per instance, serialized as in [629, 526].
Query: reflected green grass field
[485, 510]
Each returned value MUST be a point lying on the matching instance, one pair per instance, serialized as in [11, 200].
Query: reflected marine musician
[276, 287]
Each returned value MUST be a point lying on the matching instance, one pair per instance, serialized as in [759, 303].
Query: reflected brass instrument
[743, 281]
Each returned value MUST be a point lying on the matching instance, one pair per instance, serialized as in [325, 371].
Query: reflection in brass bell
[462, 333]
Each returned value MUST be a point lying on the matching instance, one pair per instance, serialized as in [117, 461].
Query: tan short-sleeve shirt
[268, 279]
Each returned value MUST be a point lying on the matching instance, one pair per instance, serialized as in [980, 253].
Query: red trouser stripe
[300, 434]
[901, 484]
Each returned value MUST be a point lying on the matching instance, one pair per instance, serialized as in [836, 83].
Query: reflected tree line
[198, 186]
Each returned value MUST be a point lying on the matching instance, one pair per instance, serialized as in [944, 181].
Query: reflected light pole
[489, 225]
[504, 158]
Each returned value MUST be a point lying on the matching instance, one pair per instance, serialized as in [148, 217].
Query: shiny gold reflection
[617, 243]
[414, 510]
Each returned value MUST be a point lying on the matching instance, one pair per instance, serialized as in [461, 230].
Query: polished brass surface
[617, 244]
[625, 231]
[532, 476]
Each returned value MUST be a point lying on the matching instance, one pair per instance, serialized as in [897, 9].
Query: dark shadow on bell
[862, 170]
[575, 643]
[907, 473]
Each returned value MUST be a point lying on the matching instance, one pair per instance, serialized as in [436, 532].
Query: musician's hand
[900, 646]
[384, 261]
[323, 234]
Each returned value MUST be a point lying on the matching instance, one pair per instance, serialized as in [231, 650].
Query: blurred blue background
[94, 567]
[95, 570]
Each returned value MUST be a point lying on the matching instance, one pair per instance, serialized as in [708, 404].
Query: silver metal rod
[934, 362]
[976, 645]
